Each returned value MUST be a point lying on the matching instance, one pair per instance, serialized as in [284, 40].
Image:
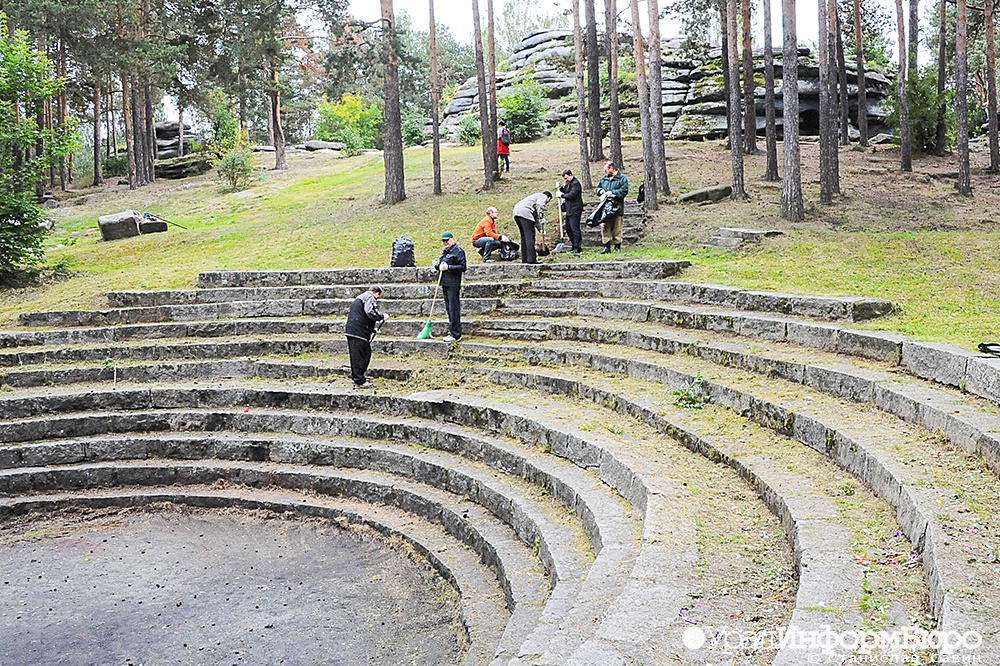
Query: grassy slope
[904, 237]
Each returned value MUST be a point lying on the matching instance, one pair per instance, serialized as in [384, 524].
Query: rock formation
[693, 100]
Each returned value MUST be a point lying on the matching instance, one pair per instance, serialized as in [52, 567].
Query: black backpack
[402, 253]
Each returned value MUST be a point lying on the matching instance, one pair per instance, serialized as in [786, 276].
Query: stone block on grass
[938, 362]
[119, 225]
[876, 345]
[982, 378]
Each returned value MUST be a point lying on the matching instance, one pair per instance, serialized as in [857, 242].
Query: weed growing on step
[692, 397]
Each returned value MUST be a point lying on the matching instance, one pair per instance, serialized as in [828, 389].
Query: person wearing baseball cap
[451, 264]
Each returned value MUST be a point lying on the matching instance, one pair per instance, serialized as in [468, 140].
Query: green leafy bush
[413, 129]
[224, 127]
[115, 167]
[523, 109]
[694, 396]
[923, 101]
[234, 163]
[350, 121]
[469, 130]
[21, 233]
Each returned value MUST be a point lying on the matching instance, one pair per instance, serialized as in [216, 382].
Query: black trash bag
[402, 253]
[992, 348]
[607, 208]
[509, 251]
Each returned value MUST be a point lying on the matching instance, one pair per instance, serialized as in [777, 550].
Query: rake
[425, 334]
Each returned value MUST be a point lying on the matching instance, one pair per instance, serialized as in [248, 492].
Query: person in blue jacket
[451, 264]
[614, 183]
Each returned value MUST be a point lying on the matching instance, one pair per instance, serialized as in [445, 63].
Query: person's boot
[618, 247]
[607, 249]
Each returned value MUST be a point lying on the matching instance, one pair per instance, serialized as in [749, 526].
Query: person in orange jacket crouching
[486, 238]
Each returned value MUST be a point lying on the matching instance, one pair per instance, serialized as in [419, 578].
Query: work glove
[505, 239]
[385, 317]
[434, 264]
[443, 267]
[600, 191]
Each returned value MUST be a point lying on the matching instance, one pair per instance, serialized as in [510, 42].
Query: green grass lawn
[900, 237]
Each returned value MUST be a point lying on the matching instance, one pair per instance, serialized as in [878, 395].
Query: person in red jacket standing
[503, 146]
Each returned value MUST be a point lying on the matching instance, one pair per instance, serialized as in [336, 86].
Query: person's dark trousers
[506, 163]
[527, 229]
[361, 355]
[453, 307]
[489, 245]
[575, 234]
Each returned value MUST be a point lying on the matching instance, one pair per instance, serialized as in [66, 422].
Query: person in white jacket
[529, 215]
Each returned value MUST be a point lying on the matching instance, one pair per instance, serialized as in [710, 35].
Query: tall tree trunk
[614, 111]
[593, 84]
[735, 126]
[270, 123]
[113, 124]
[792, 207]
[962, 97]
[274, 97]
[98, 171]
[656, 99]
[435, 103]
[770, 131]
[991, 86]
[749, 85]
[491, 50]
[844, 99]
[649, 175]
[129, 142]
[833, 26]
[392, 149]
[914, 38]
[906, 147]
[150, 132]
[827, 139]
[61, 110]
[859, 61]
[581, 98]
[488, 132]
[941, 133]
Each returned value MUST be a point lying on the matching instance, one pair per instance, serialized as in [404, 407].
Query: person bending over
[529, 214]
[360, 331]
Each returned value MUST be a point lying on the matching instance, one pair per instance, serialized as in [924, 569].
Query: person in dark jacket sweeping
[571, 192]
[360, 331]
[452, 265]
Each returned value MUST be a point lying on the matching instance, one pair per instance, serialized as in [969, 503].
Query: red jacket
[486, 227]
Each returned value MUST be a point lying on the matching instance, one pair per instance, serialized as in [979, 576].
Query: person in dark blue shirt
[451, 264]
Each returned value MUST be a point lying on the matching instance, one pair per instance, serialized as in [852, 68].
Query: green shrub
[115, 166]
[693, 396]
[413, 130]
[224, 127]
[523, 109]
[469, 130]
[351, 121]
[234, 163]
[21, 232]
[923, 101]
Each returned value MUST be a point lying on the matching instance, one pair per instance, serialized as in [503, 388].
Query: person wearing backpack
[503, 147]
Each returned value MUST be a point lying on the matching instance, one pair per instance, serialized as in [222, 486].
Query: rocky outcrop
[693, 96]
[168, 139]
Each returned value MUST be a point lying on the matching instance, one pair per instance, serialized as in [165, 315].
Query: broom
[425, 334]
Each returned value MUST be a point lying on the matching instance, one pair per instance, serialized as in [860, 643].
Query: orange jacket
[486, 227]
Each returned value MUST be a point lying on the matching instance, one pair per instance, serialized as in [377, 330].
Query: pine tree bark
[274, 98]
[487, 131]
[914, 38]
[826, 110]
[735, 126]
[792, 207]
[991, 86]
[649, 175]
[859, 62]
[133, 182]
[726, 80]
[98, 170]
[905, 142]
[749, 86]
[392, 148]
[435, 103]
[147, 95]
[656, 99]
[770, 131]
[962, 97]
[941, 133]
[492, 52]
[62, 108]
[593, 84]
[614, 111]
[843, 99]
[581, 99]
[833, 27]
[180, 130]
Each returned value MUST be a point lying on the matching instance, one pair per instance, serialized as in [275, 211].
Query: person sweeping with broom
[451, 265]
[360, 331]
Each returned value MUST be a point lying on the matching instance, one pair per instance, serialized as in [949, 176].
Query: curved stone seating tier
[485, 613]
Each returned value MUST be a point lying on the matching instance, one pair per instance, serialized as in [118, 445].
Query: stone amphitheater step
[485, 614]
[651, 270]
[939, 497]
